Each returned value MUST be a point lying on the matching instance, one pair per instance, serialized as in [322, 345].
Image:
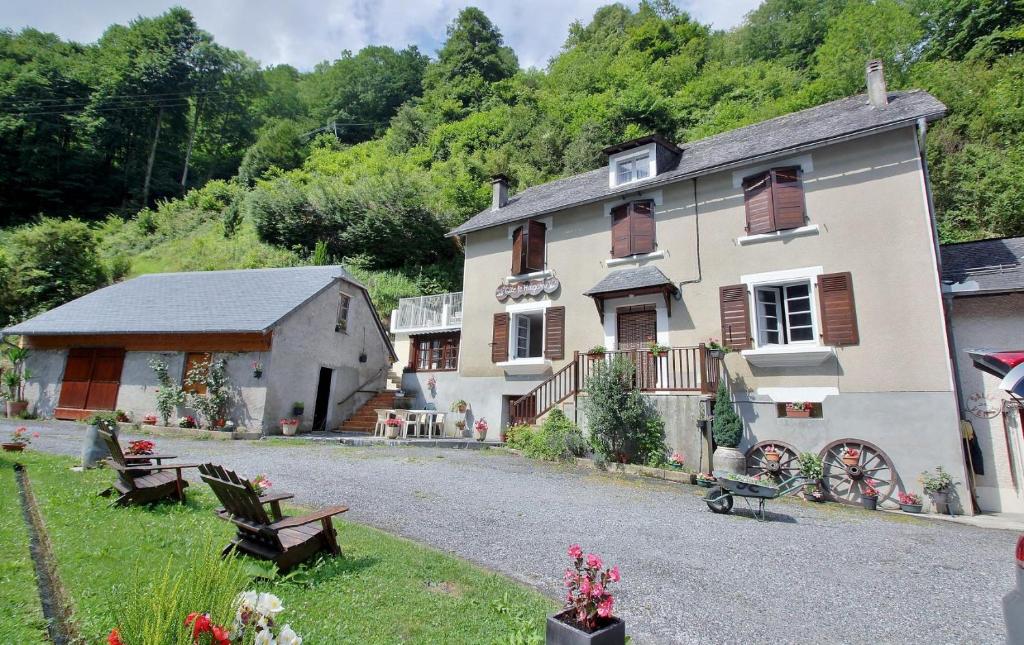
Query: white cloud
[304, 32]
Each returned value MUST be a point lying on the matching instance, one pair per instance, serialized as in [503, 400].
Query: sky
[305, 32]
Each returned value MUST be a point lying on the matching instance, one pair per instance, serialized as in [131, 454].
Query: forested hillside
[156, 149]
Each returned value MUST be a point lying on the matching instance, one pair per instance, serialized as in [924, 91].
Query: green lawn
[384, 590]
[21, 620]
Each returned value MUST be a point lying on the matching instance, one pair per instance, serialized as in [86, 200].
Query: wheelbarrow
[720, 497]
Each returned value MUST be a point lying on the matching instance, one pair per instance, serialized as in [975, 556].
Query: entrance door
[637, 329]
[92, 378]
[323, 399]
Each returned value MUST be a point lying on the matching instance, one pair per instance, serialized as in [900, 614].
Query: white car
[1009, 366]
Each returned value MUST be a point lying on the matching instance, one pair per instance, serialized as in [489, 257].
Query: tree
[957, 29]
[52, 262]
[622, 423]
[787, 31]
[728, 427]
[280, 145]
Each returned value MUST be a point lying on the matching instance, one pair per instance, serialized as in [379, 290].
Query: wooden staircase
[365, 417]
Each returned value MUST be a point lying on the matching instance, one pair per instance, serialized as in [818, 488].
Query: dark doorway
[323, 399]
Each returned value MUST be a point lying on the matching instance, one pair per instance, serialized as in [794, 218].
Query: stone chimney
[878, 94]
[499, 192]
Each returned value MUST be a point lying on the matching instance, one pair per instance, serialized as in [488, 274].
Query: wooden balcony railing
[680, 369]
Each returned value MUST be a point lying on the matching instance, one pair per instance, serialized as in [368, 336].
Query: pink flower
[604, 609]
[569, 577]
[597, 590]
[613, 573]
[593, 561]
[575, 551]
[584, 585]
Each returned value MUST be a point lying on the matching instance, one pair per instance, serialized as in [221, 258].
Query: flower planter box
[870, 503]
[13, 447]
[772, 456]
[910, 508]
[561, 633]
[15, 408]
[798, 414]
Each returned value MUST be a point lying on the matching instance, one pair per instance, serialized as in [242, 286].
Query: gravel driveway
[814, 574]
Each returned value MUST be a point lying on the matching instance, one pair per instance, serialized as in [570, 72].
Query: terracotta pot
[798, 414]
[562, 633]
[15, 408]
[850, 461]
[772, 456]
[13, 447]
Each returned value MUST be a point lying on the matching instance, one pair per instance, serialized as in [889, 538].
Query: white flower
[264, 637]
[247, 600]
[269, 605]
[288, 637]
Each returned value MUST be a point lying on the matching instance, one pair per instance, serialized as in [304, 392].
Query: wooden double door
[637, 328]
[92, 378]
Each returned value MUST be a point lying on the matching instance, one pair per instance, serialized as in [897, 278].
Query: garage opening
[92, 378]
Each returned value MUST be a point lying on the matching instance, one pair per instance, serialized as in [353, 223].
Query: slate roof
[250, 300]
[985, 266]
[630, 279]
[806, 128]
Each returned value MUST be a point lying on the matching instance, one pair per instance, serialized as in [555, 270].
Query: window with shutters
[633, 229]
[437, 353]
[774, 201]
[529, 335]
[784, 314]
[528, 248]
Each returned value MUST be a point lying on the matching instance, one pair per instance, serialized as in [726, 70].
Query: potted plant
[656, 350]
[869, 496]
[716, 349]
[938, 486]
[850, 457]
[596, 352]
[481, 429]
[676, 460]
[14, 379]
[298, 408]
[289, 427]
[391, 427]
[459, 406]
[798, 410]
[587, 617]
[19, 439]
[261, 483]
[187, 421]
[257, 369]
[772, 454]
[702, 417]
[811, 470]
[140, 447]
[727, 430]
[706, 480]
[461, 425]
[910, 502]
[149, 420]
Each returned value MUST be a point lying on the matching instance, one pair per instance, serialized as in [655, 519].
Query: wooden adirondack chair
[139, 481]
[285, 540]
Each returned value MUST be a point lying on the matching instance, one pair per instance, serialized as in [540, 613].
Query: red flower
[114, 638]
[221, 636]
[200, 623]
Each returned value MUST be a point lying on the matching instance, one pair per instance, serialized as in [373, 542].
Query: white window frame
[650, 151]
[344, 306]
[782, 313]
[514, 311]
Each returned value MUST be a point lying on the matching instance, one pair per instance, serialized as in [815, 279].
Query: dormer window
[633, 169]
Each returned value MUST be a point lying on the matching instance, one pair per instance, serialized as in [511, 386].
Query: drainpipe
[947, 308]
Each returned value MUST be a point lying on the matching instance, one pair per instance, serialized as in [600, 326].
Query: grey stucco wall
[450, 388]
[305, 341]
[42, 390]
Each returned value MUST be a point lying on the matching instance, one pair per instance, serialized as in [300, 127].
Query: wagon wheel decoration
[788, 464]
[845, 482]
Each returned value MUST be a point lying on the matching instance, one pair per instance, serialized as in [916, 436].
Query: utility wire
[90, 98]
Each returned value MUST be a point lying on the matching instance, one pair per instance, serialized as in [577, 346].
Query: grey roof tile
[813, 126]
[984, 266]
[199, 302]
[629, 279]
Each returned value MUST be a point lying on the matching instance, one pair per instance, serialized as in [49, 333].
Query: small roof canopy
[1008, 366]
[632, 282]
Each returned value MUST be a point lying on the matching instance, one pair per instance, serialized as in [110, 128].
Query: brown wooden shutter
[838, 313]
[787, 198]
[641, 225]
[757, 199]
[106, 379]
[620, 231]
[535, 246]
[74, 388]
[192, 360]
[735, 316]
[554, 333]
[499, 338]
[518, 251]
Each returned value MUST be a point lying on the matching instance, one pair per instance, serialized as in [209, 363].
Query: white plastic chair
[380, 428]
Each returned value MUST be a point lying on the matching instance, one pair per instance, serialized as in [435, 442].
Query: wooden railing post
[703, 368]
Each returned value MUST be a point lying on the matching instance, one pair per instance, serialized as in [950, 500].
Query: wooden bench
[287, 541]
[139, 481]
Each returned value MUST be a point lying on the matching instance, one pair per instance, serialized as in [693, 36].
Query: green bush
[557, 439]
[519, 437]
[728, 427]
[623, 424]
